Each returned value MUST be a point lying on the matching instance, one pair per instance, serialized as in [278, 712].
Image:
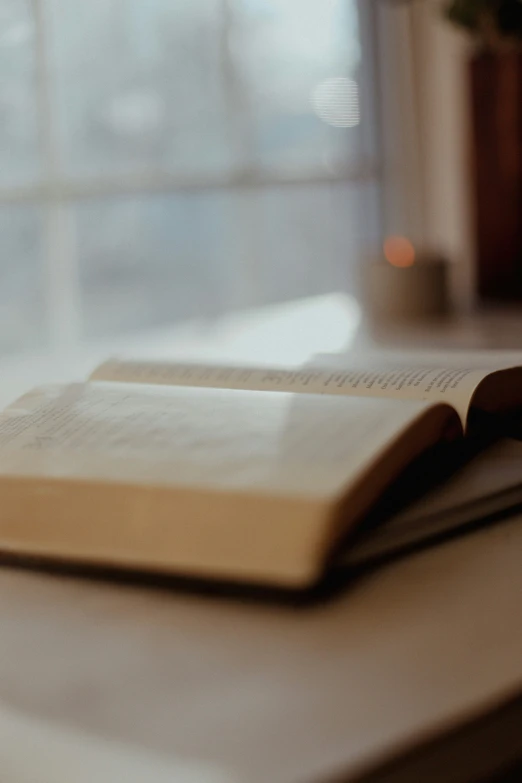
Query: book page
[224, 439]
[221, 483]
[452, 385]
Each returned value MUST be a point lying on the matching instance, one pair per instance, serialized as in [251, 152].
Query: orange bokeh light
[399, 251]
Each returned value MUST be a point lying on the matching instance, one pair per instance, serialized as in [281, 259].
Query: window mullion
[61, 272]
[241, 131]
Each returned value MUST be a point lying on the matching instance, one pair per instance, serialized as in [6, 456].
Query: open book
[237, 474]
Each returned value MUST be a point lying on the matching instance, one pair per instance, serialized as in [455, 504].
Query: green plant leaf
[466, 13]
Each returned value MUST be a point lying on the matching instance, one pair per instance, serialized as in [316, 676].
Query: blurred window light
[336, 102]
[135, 113]
[172, 160]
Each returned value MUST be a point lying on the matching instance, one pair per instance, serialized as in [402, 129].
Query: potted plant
[497, 24]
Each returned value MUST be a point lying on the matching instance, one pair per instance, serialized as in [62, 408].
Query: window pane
[22, 302]
[155, 260]
[298, 64]
[19, 161]
[310, 240]
[186, 89]
[139, 85]
[150, 260]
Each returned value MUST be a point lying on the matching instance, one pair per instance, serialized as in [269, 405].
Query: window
[162, 160]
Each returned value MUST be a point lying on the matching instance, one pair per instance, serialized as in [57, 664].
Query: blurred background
[169, 160]
[162, 160]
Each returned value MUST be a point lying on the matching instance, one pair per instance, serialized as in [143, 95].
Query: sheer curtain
[165, 160]
[424, 105]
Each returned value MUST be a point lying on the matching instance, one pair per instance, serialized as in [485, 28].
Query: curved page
[456, 386]
[211, 482]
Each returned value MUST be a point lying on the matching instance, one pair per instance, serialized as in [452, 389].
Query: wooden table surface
[226, 690]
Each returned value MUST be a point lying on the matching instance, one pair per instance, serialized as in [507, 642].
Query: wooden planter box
[496, 93]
